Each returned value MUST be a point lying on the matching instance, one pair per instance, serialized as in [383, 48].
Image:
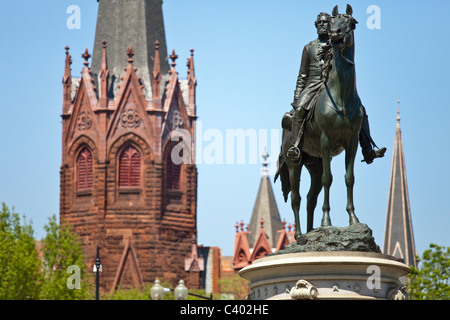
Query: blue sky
[247, 55]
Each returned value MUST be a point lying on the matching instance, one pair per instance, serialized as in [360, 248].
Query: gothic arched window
[84, 170]
[173, 172]
[130, 167]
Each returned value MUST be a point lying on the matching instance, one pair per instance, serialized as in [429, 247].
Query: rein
[342, 111]
[335, 106]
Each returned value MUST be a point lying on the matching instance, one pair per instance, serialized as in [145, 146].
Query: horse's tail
[283, 173]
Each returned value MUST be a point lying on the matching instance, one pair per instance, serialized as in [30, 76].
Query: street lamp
[181, 292]
[157, 291]
[97, 269]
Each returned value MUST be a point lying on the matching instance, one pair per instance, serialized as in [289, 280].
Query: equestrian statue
[327, 118]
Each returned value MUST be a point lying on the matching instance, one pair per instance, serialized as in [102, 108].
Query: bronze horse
[333, 126]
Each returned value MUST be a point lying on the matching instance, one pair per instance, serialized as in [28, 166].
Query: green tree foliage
[28, 272]
[19, 262]
[130, 294]
[234, 288]
[431, 280]
[61, 249]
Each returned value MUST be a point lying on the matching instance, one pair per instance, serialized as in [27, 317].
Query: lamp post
[97, 269]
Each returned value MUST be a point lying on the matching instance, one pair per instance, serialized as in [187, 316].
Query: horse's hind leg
[315, 171]
[350, 154]
[294, 178]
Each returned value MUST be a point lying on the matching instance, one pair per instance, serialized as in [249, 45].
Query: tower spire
[399, 237]
[125, 23]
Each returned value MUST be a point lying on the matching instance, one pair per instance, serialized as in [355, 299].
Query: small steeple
[265, 208]
[399, 237]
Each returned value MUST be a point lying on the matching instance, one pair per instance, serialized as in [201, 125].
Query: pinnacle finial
[265, 163]
[104, 61]
[68, 57]
[398, 109]
[86, 57]
[261, 222]
[265, 156]
[173, 57]
[130, 54]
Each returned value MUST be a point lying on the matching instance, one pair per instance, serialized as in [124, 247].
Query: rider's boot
[294, 152]
[371, 154]
[366, 143]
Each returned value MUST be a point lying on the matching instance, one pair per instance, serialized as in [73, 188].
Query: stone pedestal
[326, 275]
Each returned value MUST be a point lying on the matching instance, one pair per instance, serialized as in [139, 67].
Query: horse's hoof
[354, 220]
[297, 236]
[326, 223]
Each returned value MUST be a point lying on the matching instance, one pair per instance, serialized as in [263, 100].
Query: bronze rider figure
[310, 82]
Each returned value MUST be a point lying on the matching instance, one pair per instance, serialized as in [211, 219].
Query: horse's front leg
[294, 179]
[327, 179]
[350, 154]
[315, 171]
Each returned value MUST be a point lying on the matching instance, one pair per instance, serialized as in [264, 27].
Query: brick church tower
[128, 174]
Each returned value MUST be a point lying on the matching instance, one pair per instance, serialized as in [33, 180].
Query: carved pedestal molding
[303, 290]
[398, 293]
[326, 275]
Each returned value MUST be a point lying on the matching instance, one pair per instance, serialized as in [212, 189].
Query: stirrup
[294, 154]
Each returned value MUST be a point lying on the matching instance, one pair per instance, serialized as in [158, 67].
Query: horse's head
[342, 27]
